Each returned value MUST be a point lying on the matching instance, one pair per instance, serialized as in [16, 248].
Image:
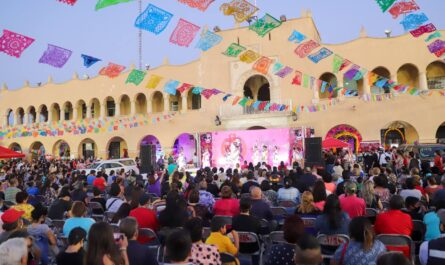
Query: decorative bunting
[263, 65]
[413, 21]
[284, 72]
[344, 64]
[226, 97]
[235, 100]
[184, 87]
[69, 2]
[154, 81]
[401, 8]
[359, 75]
[112, 70]
[243, 101]
[184, 33]
[89, 60]
[170, 87]
[199, 4]
[265, 25]
[385, 4]
[105, 3]
[440, 52]
[135, 77]
[197, 90]
[436, 46]
[434, 35]
[208, 40]
[153, 19]
[337, 63]
[323, 86]
[305, 48]
[234, 50]
[297, 78]
[14, 44]
[422, 30]
[305, 80]
[277, 67]
[249, 56]
[296, 37]
[55, 56]
[320, 55]
[241, 10]
[350, 74]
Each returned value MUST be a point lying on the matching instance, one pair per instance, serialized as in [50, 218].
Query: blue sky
[109, 33]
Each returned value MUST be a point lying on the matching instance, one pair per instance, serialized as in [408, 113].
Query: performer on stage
[181, 160]
[233, 154]
[297, 156]
[275, 157]
[255, 155]
[265, 155]
[206, 158]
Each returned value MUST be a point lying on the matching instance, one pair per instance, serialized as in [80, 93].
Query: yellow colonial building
[403, 118]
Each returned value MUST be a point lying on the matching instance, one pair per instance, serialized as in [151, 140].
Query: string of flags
[416, 22]
[83, 126]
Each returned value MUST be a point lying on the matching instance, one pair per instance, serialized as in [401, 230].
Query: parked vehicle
[426, 152]
[117, 165]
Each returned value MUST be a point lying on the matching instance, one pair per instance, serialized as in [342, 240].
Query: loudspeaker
[313, 155]
[148, 158]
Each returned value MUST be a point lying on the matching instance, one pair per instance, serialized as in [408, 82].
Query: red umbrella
[8, 153]
[333, 143]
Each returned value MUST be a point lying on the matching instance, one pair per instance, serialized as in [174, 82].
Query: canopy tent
[8, 153]
[333, 143]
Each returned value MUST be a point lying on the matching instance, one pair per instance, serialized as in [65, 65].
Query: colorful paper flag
[184, 33]
[14, 44]
[434, 35]
[136, 77]
[184, 87]
[385, 4]
[265, 25]
[89, 60]
[263, 65]
[226, 97]
[55, 56]
[336, 63]
[241, 10]
[436, 46]
[305, 80]
[112, 70]
[154, 81]
[208, 40]
[105, 3]
[199, 4]
[400, 8]
[296, 37]
[277, 67]
[234, 50]
[350, 74]
[297, 78]
[320, 55]
[422, 30]
[170, 87]
[413, 21]
[305, 48]
[249, 56]
[69, 2]
[153, 19]
[284, 72]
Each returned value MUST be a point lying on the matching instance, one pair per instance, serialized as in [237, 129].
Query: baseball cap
[441, 214]
[11, 216]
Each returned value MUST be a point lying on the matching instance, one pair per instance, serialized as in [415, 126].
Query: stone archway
[332, 84]
[398, 132]
[117, 148]
[347, 134]
[15, 147]
[61, 149]
[37, 150]
[87, 149]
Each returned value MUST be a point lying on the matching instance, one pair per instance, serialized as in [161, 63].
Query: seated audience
[61, 205]
[391, 258]
[115, 201]
[43, 235]
[363, 248]
[350, 203]
[99, 199]
[77, 219]
[14, 252]
[197, 209]
[269, 193]
[175, 212]
[178, 247]
[371, 199]
[74, 253]
[308, 251]
[145, 217]
[12, 222]
[122, 212]
[410, 190]
[205, 198]
[433, 252]
[413, 208]
[201, 253]
[380, 188]
[226, 206]
[21, 198]
[246, 187]
[333, 220]
[137, 253]
[288, 193]
[432, 223]
[307, 207]
[219, 238]
[260, 208]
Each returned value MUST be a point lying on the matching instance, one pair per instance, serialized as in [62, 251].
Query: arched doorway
[150, 151]
[329, 91]
[397, 133]
[110, 105]
[81, 109]
[31, 115]
[55, 112]
[141, 104]
[175, 102]
[408, 75]
[157, 102]
[37, 150]
[117, 148]
[10, 117]
[125, 105]
[257, 87]
[87, 149]
[382, 72]
[20, 116]
[435, 74]
[185, 150]
[193, 100]
[95, 108]
[15, 147]
[354, 87]
[440, 134]
[68, 111]
[61, 150]
[43, 110]
[347, 134]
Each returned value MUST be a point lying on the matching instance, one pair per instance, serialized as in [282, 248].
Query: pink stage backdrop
[231, 147]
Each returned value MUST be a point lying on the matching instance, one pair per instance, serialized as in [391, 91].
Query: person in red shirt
[394, 221]
[227, 206]
[350, 203]
[100, 182]
[438, 162]
[145, 217]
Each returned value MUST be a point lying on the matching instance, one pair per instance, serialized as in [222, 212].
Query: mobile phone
[118, 236]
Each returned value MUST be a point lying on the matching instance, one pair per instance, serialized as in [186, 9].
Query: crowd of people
[52, 212]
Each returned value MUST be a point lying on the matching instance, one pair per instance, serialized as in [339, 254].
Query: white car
[116, 165]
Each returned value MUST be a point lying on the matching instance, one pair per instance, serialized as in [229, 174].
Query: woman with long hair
[363, 248]
[333, 220]
[307, 207]
[371, 199]
[320, 194]
[174, 215]
[103, 248]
